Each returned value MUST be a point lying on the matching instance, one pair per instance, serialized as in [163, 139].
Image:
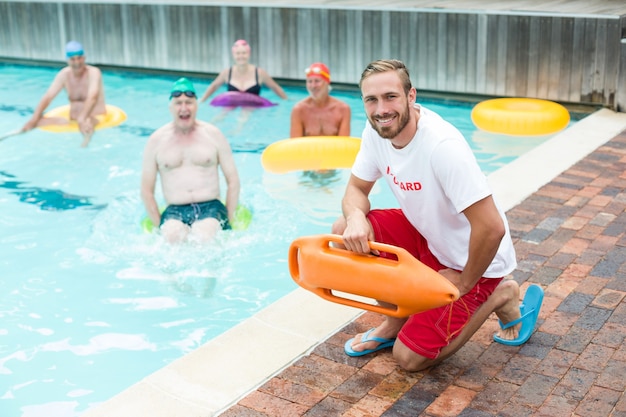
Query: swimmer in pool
[187, 153]
[243, 76]
[85, 91]
[319, 114]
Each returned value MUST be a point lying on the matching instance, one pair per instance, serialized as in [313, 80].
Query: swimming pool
[90, 304]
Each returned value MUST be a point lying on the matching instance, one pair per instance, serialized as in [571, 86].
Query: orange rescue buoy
[407, 284]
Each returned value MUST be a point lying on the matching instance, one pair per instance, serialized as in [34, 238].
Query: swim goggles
[179, 93]
[318, 71]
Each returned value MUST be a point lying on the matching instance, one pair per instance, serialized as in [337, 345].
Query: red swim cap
[318, 70]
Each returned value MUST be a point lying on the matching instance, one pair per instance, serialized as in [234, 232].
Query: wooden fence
[566, 58]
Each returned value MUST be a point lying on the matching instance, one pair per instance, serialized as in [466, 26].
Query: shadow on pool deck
[570, 239]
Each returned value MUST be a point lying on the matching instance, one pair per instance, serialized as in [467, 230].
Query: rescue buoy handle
[382, 247]
[326, 240]
[330, 295]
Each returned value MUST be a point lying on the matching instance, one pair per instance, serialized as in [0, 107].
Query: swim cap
[73, 48]
[318, 70]
[241, 42]
[182, 85]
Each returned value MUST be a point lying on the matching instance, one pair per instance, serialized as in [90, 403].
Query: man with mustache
[448, 219]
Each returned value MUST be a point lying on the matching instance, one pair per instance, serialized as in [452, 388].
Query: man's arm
[296, 129]
[229, 169]
[487, 231]
[344, 126]
[355, 206]
[55, 88]
[149, 173]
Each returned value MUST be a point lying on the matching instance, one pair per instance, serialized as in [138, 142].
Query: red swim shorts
[428, 332]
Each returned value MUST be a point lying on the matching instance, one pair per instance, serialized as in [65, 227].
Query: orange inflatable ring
[310, 153]
[407, 284]
[113, 117]
[520, 116]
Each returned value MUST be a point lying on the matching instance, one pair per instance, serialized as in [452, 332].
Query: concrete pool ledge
[215, 376]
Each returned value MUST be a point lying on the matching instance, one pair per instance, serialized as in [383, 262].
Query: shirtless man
[186, 153]
[85, 91]
[319, 114]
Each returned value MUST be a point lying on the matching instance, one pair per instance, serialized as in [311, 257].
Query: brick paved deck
[570, 239]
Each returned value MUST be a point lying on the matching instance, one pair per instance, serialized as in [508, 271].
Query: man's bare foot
[510, 333]
[366, 339]
[386, 332]
[517, 324]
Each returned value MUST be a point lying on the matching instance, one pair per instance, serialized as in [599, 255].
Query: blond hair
[384, 65]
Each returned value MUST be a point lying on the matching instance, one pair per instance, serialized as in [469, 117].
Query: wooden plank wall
[566, 58]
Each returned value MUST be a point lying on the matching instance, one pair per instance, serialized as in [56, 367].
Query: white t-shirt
[434, 178]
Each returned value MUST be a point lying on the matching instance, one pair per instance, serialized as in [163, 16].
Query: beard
[390, 132]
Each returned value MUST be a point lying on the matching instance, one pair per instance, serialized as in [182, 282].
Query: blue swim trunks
[190, 213]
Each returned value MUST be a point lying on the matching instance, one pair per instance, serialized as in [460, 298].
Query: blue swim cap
[73, 48]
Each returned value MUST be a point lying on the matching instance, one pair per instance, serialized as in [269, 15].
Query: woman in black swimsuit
[243, 76]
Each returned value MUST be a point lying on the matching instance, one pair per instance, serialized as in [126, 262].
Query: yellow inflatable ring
[310, 153]
[113, 117]
[520, 116]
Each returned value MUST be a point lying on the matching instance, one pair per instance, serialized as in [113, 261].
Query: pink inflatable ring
[240, 99]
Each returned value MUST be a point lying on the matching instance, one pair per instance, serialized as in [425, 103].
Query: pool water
[89, 303]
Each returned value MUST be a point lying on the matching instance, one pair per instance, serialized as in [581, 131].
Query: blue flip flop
[383, 343]
[530, 311]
